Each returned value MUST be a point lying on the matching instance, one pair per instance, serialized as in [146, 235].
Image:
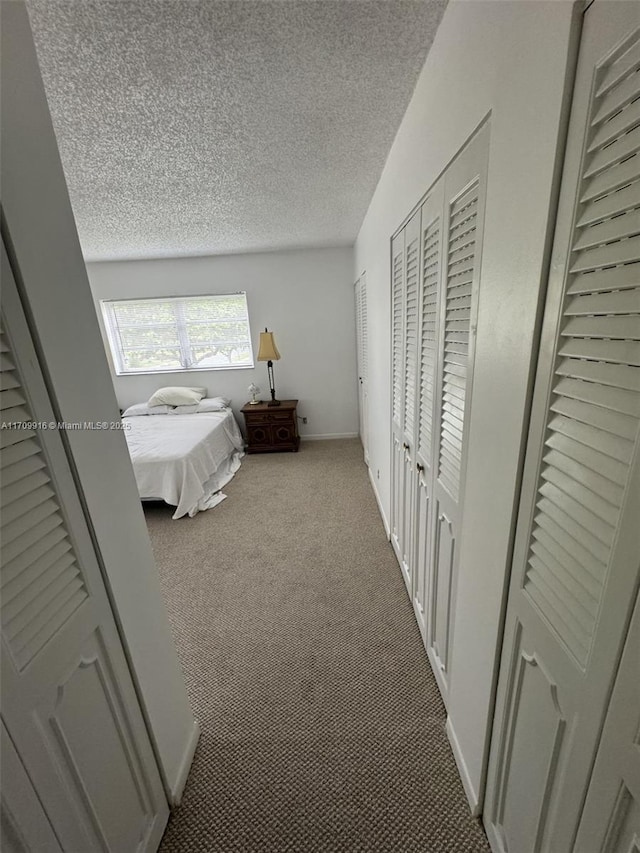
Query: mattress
[184, 460]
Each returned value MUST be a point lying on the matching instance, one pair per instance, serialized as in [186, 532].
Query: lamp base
[273, 403]
[254, 402]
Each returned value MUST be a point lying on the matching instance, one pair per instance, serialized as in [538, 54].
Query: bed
[184, 459]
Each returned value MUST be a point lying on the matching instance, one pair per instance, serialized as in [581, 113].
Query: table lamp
[269, 352]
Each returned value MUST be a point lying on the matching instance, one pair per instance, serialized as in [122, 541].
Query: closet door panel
[575, 569]
[464, 192]
[412, 257]
[429, 296]
[397, 391]
[68, 702]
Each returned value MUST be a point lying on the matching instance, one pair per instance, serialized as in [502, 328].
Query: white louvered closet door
[464, 193]
[397, 397]
[68, 702]
[429, 297]
[577, 552]
[409, 399]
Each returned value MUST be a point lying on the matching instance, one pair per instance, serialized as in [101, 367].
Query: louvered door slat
[627, 64]
[602, 232]
[613, 375]
[610, 205]
[600, 508]
[613, 302]
[613, 278]
[612, 398]
[22, 469]
[625, 252]
[12, 493]
[10, 399]
[12, 585]
[27, 521]
[613, 100]
[40, 578]
[460, 234]
[617, 352]
[33, 540]
[41, 588]
[26, 614]
[22, 506]
[592, 459]
[454, 415]
[619, 150]
[454, 396]
[616, 177]
[49, 618]
[7, 381]
[571, 631]
[562, 582]
[16, 453]
[461, 211]
[595, 547]
[612, 445]
[57, 560]
[578, 511]
[585, 476]
[613, 422]
[616, 126]
[454, 430]
[567, 583]
[563, 553]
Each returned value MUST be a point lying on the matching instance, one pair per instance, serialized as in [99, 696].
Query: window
[187, 333]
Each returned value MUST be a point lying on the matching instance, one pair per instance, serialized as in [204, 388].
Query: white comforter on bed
[184, 459]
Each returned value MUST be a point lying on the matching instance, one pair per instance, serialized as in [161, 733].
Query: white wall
[41, 233]
[509, 58]
[305, 297]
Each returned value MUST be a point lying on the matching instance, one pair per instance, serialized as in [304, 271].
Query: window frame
[183, 344]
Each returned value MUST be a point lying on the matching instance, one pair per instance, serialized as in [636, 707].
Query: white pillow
[209, 404]
[213, 404]
[143, 409]
[176, 395]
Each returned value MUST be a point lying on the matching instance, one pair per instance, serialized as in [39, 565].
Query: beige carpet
[322, 726]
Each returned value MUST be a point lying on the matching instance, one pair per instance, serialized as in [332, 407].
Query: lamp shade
[268, 350]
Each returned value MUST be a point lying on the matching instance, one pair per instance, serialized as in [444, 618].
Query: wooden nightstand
[272, 428]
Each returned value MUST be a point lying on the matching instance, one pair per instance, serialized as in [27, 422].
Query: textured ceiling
[192, 127]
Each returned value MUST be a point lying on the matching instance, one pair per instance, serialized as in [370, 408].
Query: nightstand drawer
[267, 417]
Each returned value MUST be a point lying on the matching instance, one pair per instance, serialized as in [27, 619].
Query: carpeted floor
[322, 726]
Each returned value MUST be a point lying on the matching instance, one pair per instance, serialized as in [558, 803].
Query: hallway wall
[510, 61]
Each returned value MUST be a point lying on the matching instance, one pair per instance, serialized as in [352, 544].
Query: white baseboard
[387, 528]
[185, 766]
[467, 784]
[328, 435]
